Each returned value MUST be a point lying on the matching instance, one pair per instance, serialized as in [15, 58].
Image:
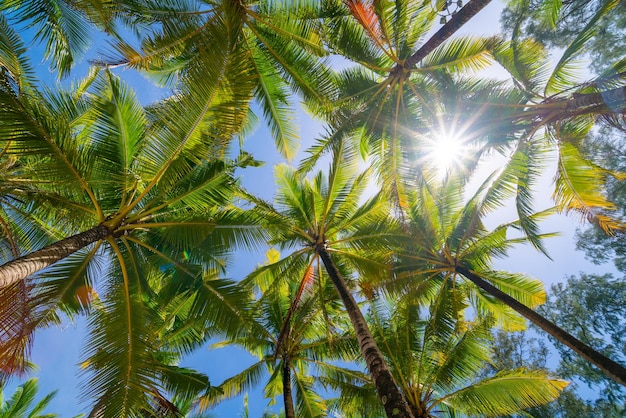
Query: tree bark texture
[22, 267]
[388, 391]
[613, 100]
[612, 369]
[290, 411]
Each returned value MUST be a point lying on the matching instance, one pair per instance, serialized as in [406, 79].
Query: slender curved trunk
[290, 411]
[392, 398]
[612, 369]
[456, 22]
[22, 267]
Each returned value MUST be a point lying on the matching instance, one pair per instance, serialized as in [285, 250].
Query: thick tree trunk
[612, 369]
[392, 398]
[290, 411]
[22, 267]
[612, 100]
[456, 22]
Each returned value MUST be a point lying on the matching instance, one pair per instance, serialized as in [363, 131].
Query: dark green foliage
[607, 46]
[592, 308]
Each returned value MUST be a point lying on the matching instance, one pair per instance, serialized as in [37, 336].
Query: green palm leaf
[493, 396]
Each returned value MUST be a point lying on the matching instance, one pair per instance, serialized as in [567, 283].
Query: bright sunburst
[444, 151]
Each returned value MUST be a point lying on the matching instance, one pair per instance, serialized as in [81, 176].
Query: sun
[444, 151]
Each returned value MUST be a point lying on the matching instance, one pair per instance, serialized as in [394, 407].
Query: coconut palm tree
[447, 241]
[291, 343]
[399, 68]
[405, 92]
[321, 221]
[437, 355]
[120, 181]
[92, 140]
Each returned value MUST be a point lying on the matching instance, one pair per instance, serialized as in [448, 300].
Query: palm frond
[506, 393]
[60, 25]
[579, 184]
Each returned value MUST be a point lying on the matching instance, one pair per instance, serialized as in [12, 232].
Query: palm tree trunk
[290, 411]
[612, 100]
[458, 20]
[392, 398]
[612, 369]
[22, 267]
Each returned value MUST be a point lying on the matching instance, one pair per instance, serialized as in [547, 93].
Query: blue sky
[57, 351]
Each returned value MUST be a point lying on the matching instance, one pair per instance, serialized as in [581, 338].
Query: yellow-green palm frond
[579, 185]
[505, 393]
[525, 59]
[436, 355]
[308, 402]
[459, 55]
[119, 352]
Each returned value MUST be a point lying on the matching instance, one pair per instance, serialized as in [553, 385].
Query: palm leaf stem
[20, 268]
[61, 156]
[278, 30]
[277, 56]
[156, 52]
[611, 368]
[160, 225]
[5, 149]
[286, 328]
[390, 395]
[197, 122]
[164, 256]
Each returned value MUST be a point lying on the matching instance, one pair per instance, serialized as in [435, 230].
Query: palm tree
[111, 137]
[447, 240]
[386, 101]
[437, 357]
[322, 221]
[559, 111]
[290, 343]
[122, 180]
[273, 49]
[405, 91]
[22, 402]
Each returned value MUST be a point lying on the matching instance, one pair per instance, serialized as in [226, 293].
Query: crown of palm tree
[437, 357]
[292, 345]
[447, 241]
[126, 176]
